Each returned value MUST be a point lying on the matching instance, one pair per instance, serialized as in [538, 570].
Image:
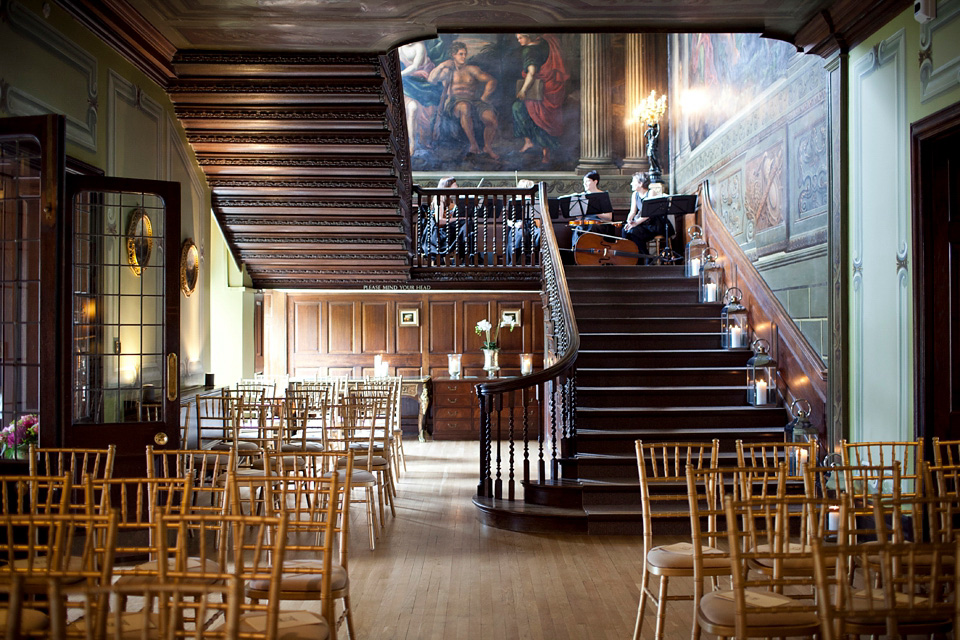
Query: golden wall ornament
[139, 240]
[189, 267]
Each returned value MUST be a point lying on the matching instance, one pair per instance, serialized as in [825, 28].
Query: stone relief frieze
[765, 190]
[811, 167]
[731, 203]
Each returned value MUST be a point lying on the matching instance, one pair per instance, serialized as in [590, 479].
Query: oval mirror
[189, 267]
[139, 240]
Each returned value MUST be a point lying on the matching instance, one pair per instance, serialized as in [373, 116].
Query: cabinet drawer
[453, 414]
[454, 388]
[454, 429]
[444, 401]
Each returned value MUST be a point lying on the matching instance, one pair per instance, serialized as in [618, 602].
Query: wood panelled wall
[340, 334]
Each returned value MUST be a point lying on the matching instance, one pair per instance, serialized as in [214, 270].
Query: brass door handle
[173, 377]
[161, 438]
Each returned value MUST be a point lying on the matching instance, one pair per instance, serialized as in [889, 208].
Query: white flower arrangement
[485, 327]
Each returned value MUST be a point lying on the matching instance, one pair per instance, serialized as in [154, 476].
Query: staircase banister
[562, 368]
[800, 368]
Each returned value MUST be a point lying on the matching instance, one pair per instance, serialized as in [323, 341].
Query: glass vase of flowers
[491, 345]
[17, 436]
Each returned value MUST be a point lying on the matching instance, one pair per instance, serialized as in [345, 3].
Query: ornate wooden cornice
[121, 27]
[846, 23]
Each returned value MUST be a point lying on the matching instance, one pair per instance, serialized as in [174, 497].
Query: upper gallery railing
[476, 228]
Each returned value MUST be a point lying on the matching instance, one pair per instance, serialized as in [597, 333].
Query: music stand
[665, 206]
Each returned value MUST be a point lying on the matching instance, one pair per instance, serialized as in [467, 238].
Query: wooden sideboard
[456, 410]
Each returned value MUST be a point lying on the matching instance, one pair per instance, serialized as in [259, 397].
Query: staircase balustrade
[534, 412]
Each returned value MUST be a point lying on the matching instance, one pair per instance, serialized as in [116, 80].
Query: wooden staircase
[650, 367]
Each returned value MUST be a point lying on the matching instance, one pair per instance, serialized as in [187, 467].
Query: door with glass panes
[122, 285]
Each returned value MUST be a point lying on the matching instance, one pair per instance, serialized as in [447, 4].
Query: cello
[596, 249]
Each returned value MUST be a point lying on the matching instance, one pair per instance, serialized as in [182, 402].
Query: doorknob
[161, 438]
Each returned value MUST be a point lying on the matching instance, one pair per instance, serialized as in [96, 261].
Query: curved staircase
[650, 367]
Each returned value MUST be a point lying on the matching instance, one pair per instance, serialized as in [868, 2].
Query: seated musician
[523, 238]
[591, 184]
[640, 229]
[438, 235]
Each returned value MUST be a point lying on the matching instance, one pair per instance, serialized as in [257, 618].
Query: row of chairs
[241, 544]
[777, 516]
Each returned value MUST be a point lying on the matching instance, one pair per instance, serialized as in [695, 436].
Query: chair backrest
[915, 586]
[662, 467]
[76, 462]
[186, 407]
[946, 452]
[218, 417]
[35, 494]
[312, 508]
[303, 413]
[206, 469]
[908, 453]
[771, 454]
[864, 484]
[758, 535]
[356, 426]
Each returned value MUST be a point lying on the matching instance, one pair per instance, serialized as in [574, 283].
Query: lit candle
[761, 392]
[833, 518]
[710, 292]
[735, 337]
[694, 266]
[526, 364]
[381, 371]
[377, 359]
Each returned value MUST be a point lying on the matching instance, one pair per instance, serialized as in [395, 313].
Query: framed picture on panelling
[409, 317]
[510, 316]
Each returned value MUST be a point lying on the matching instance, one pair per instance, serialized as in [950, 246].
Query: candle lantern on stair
[734, 331]
[761, 376]
[802, 433]
[711, 277]
[693, 257]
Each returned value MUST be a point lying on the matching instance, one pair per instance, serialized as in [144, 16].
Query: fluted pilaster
[635, 90]
[596, 150]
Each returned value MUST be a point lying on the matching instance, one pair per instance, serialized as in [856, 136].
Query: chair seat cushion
[291, 625]
[361, 461]
[302, 446]
[358, 477]
[301, 580]
[289, 462]
[193, 564]
[31, 620]
[719, 608]
[241, 446]
[803, 561]
[133, 624]
[680, 556]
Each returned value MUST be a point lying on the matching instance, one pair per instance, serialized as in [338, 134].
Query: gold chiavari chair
[186, 406]
[913, 589]
[380, 412]
[351, 432]
[662, 470]
[706, 490]
[298, 430]
[774, 604]
[311, 506]
[17, 620]
[323, 464]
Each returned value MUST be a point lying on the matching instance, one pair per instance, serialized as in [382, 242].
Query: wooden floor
[438, 573]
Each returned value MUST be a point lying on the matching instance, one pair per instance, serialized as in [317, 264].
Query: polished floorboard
[438, 573]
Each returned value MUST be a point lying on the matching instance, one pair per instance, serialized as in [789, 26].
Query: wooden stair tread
[639, 389]
[678, 410]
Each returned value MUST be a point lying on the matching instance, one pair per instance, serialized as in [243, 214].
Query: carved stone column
[636, 89]
[596, 150]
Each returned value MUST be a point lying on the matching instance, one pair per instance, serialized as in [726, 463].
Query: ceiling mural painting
[502, 102]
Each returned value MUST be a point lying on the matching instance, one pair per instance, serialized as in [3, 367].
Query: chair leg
[644, 582]
[662, 607]
[697, 594]
[348, 614]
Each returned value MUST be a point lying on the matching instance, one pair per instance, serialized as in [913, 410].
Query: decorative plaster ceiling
[378, 25]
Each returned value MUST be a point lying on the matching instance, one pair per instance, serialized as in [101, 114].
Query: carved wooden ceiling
[305, 152]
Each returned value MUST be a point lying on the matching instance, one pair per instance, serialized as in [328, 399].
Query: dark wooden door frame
[924, 136]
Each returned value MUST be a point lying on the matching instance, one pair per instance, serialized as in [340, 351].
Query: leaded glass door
[123, 240]
[31, 169]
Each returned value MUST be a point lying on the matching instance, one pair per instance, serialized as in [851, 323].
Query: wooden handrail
[801, 370]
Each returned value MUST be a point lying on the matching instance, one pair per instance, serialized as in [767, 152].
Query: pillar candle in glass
[453, 364]
[694, 251]
[526, 364]
[711, 277]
